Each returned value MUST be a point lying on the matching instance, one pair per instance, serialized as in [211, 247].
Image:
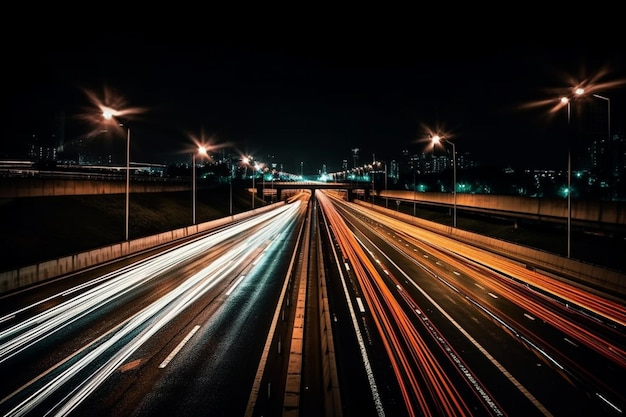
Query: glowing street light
[201, 151]
[438, 139]
[110, 114]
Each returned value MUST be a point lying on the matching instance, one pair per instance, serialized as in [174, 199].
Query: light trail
[471, 379]
[355, 325]
[518, 294]
[147, 322]
[406, 349]
[585, 301]
[110, 287]
[517, 290]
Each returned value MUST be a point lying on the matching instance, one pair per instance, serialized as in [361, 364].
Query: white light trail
[147, 321]
[36, 328]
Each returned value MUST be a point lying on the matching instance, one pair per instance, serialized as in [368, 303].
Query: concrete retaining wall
[602, 213]
[15, 187]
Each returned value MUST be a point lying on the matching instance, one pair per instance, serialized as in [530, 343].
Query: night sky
[310, 93]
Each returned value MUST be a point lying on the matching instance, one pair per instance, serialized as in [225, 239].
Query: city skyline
[102, 149]
[315, 101]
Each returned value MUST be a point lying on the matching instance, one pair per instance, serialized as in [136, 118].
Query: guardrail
[590, 275]
[609, 215]
[33, 274]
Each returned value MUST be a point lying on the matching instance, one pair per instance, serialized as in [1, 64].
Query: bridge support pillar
[350, 194]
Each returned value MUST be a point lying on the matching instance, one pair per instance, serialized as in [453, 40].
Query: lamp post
[201, 151]
[263, 184]
[253, 186]
[127, 181]
[386, 198]
[373, 183]
[569, 175]
[231, 189]
[248, 161]
[438, 139]
[567, 100]
[110, 114]
[414, 187]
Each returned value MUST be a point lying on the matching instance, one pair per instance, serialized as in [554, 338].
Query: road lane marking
[360, 303]
[179, 347]
[484, 351]
[231, 289]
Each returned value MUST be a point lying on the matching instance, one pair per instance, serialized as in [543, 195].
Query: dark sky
[313, 93]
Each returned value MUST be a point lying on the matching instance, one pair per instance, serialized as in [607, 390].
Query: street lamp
[263, 171]
[438, 139]
[566, 100]
[373, 183]
[414, 187]
[201, 151]
[110, 114]
[248, 161]
[232, 167]
[386, 198]
[272, 171]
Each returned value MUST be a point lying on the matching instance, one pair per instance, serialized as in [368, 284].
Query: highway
[480, 334]
[317, 308]
[176, 332]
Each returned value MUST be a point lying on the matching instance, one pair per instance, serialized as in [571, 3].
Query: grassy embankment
[35, 229]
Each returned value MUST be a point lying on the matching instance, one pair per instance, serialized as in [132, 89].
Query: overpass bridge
[350, 188]
[597, 215]
[605, 216]
[593, 214]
